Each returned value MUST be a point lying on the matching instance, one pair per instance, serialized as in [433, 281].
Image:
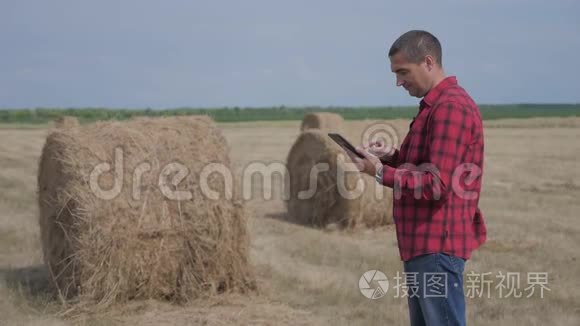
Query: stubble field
[530, 200]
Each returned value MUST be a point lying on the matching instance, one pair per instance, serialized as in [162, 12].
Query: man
[436, 177]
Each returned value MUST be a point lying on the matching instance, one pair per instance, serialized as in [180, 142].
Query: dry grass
[309, 276]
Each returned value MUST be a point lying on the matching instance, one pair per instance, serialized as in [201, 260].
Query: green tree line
[234, 114]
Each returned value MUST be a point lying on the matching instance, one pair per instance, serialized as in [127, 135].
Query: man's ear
[429, 62]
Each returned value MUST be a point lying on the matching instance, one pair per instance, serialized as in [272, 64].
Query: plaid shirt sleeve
[448, 131]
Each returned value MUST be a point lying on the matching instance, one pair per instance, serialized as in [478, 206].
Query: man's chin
[416, 94]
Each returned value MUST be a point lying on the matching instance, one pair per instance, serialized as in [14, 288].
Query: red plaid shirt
[436, 176]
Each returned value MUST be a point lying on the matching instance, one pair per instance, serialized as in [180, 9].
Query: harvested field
[309, 276]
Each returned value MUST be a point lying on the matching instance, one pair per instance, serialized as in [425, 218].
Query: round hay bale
[143, 241]
[66, 122]
[322, 120]
[325, 190]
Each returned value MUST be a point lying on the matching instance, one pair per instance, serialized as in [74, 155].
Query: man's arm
[448, 138]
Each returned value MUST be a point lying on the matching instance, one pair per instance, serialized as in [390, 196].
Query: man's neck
[438, 79]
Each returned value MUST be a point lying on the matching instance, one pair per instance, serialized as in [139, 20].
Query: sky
[167, 54]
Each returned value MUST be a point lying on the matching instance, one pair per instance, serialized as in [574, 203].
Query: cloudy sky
[164, 54]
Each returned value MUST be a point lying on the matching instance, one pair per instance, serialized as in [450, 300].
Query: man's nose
[400, 82]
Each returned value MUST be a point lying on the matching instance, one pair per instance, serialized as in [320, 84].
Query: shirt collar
[436, 91]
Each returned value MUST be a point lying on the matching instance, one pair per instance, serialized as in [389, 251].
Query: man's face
[414, 77]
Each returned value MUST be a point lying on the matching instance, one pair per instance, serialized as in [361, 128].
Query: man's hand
[369, 165]
[379, 149]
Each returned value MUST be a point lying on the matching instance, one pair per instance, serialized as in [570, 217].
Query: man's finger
[364, 152]
[368, 155]
[353, 157]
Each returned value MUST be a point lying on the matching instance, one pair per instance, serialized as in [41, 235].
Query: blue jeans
[435, 290]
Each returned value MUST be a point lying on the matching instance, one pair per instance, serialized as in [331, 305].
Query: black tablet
[344, 144]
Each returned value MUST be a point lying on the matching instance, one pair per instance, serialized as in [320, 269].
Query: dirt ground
[307, 276]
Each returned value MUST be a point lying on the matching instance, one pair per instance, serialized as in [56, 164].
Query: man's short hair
[417, 44]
